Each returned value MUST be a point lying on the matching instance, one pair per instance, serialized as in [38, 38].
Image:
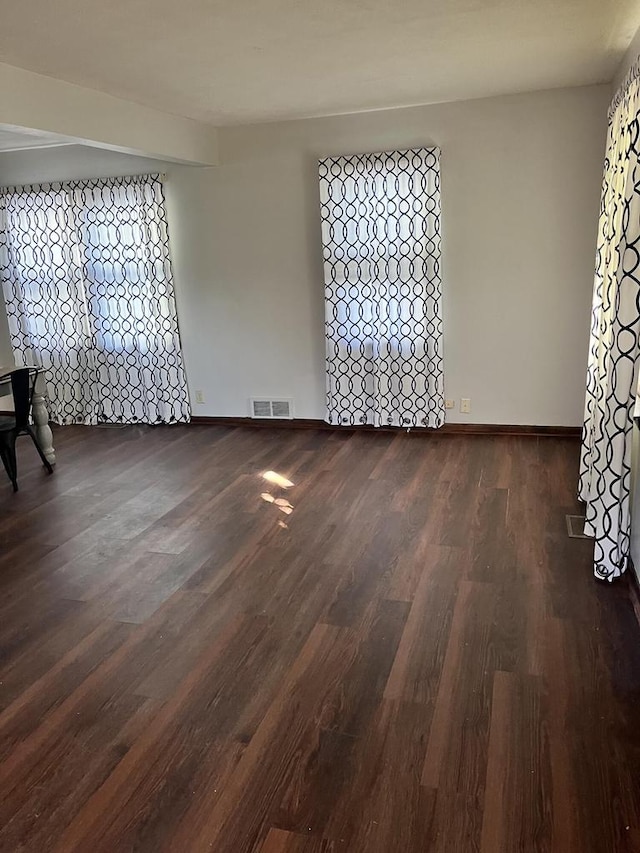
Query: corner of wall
[633, 52]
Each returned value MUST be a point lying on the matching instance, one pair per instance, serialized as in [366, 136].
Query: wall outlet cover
[465, 405]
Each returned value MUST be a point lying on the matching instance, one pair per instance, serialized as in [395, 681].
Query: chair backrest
[23, 383]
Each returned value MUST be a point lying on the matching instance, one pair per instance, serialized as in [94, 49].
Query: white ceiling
[235, 61]
[15, 139]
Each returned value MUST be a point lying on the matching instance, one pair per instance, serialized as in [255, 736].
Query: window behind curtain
[381, 248]
[87, 283]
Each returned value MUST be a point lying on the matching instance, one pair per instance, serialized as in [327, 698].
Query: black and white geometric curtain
[381, 247]
[88, 289]
[614, 348]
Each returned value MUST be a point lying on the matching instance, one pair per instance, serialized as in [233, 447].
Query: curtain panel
[87, 284]
[614, 347]
[380, 218]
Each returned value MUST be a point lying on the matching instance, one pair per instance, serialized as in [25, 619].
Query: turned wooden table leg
[41, 421]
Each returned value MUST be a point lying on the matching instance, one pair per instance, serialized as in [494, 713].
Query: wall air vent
[272, 409]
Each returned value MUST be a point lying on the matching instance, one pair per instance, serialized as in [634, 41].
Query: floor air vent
[575, 527]
[274, 409]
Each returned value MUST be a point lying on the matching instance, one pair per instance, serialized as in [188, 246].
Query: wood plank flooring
[412, 656]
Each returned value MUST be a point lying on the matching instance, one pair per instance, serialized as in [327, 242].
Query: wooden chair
[23, 383]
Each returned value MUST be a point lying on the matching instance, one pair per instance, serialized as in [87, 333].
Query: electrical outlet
[199, 397]
[465, 405]
[449, 404]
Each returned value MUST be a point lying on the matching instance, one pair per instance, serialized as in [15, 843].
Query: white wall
[72, 162]
[520, 189]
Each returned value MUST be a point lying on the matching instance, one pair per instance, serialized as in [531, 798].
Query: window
[89, 294]
[381, 249]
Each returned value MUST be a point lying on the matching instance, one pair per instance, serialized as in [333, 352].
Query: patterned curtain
[381, 239]
[614, 349]
[87, 285]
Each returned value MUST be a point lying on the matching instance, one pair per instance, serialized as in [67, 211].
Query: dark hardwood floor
[414, 658]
